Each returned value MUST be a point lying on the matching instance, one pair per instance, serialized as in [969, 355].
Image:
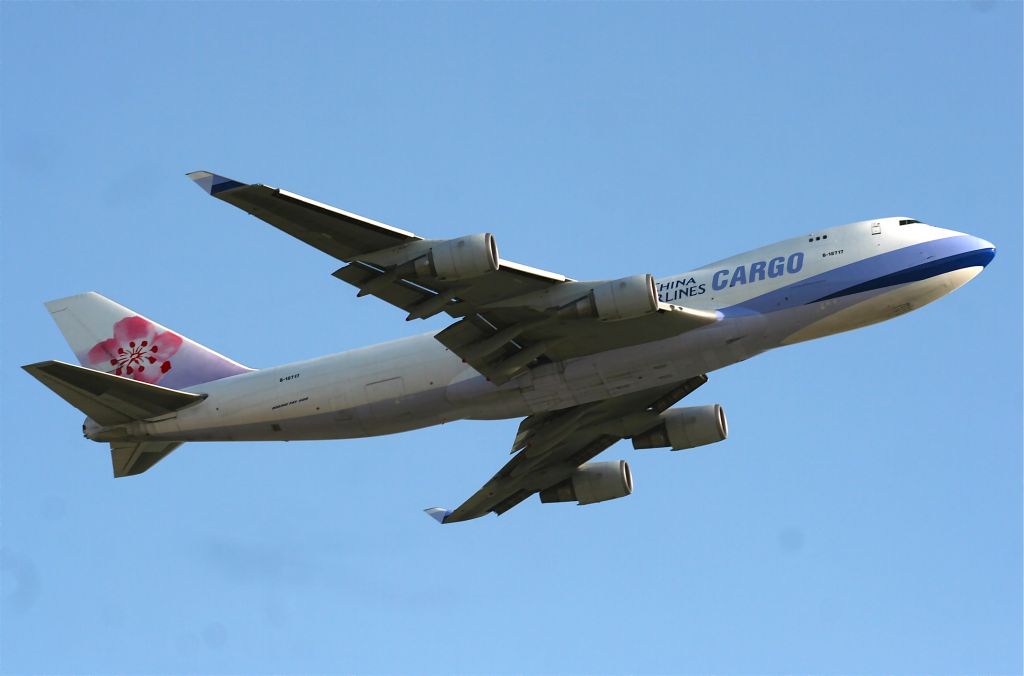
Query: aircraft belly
[413, 411]
[546, 388]
[388, 388]
[649, 365]
[471, 395]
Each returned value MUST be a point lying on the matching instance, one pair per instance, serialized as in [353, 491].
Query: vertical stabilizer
[111, 338]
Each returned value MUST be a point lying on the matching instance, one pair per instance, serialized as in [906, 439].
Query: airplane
[584, 363]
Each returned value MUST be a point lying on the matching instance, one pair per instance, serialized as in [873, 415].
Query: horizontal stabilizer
[106, 398]
[131, 458]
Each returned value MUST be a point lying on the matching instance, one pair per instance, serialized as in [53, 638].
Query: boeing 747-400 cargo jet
[585, 364]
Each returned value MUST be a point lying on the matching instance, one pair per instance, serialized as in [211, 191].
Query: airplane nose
[975, 251]
[985, 250]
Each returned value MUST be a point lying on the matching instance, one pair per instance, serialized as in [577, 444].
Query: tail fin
[109, 337]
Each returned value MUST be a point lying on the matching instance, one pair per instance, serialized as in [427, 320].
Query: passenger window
[876, 229]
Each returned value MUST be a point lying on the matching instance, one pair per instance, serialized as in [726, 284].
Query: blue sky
[864, 515]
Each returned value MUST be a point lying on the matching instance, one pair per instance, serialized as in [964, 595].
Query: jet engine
[592, 482]
[618, 299]
[681, 428]
[461, 258]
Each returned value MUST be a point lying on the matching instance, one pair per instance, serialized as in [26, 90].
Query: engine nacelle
[681, 428]
[461, 258]
[619, 299]
[592, 482]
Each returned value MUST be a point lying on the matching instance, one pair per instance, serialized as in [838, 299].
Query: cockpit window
[907, 221]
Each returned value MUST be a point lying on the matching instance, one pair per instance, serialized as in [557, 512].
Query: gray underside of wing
[359, 241]
[339, 233]
[457, 299]
[552, 445]
[503, 325]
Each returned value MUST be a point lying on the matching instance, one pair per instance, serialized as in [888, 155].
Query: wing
[551, 446]
[509, 316]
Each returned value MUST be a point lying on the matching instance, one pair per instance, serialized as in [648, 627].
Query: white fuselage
[807, 287]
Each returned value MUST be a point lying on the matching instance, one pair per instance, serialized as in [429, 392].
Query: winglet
[438, 514]
[213, 183]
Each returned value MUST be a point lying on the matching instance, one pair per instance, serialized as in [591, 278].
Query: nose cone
[986, 251]
[971, 251]
[975, 254]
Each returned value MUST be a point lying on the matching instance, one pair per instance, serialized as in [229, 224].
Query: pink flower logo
[138, 350]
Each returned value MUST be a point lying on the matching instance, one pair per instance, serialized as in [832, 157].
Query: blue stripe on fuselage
[909, 264]
[968, 259]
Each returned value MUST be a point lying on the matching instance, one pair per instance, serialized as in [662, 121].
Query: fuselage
[807, 287]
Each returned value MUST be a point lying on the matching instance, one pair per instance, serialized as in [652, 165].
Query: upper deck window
[907, 221]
